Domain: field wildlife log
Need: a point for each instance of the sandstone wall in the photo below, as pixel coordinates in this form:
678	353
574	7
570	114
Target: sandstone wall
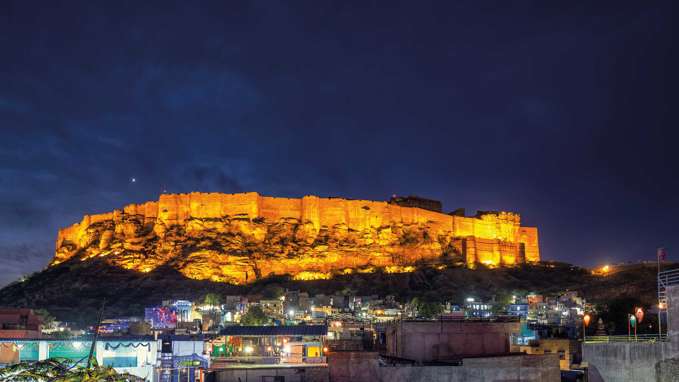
492	238
528	236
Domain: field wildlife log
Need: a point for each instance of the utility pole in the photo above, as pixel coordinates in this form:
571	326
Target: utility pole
660	304
96	334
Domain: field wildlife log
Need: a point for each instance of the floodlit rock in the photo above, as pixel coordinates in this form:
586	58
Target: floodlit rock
238	238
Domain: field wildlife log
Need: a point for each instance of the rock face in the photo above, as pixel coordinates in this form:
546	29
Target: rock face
238	238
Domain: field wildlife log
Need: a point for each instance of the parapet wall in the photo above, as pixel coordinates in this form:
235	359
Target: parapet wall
365	367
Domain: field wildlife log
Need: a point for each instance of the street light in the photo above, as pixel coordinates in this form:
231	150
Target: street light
585	321
632	322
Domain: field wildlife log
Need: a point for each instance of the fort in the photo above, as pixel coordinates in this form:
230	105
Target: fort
241	237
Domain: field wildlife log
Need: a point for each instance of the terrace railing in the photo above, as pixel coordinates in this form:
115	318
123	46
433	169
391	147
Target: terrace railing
665	279
626	338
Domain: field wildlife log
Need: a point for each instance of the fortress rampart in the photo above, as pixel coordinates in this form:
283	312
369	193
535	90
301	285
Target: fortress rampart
492	238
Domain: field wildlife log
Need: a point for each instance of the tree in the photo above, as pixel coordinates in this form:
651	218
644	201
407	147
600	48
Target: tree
426	309
212	300
273	291
62	335
617	311
46	318
60	370
254	316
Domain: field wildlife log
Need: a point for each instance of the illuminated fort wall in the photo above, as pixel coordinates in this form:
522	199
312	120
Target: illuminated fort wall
492	238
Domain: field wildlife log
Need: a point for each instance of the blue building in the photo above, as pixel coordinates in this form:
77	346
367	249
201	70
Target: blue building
520	310
137	355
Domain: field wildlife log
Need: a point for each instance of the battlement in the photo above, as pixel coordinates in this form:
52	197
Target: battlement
493	238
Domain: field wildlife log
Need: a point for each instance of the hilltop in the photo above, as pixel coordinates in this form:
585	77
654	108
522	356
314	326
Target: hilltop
241	238
187	245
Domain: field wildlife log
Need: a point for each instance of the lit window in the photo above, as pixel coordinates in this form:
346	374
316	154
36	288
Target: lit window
120	361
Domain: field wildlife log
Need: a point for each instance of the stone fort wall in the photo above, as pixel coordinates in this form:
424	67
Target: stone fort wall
492	238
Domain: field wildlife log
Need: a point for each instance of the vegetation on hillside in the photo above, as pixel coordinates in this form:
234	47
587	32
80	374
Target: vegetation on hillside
74	290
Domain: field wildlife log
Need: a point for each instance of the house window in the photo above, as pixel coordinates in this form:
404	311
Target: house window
120	361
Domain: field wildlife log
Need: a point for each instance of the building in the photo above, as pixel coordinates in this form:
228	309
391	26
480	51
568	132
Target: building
19	323
492	238
183	308
272	307
426	341
520	310
478	309
137	355
417	202
567	350
370	367
269	344
653	359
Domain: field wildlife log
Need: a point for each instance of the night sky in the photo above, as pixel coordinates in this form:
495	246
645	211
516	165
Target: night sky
563	112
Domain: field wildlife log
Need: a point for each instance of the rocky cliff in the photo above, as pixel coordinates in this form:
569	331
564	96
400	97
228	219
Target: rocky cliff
238	238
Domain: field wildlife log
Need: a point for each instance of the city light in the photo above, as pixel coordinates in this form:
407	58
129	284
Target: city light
639	314
248	349
470	299
77	344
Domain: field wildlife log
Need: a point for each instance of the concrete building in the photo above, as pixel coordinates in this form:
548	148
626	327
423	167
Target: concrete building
272	307
139	355
567	350
268	344
19	323
425	341
366	367
638	361
273	373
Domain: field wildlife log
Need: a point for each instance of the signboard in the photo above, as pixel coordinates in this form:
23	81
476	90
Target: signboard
161	317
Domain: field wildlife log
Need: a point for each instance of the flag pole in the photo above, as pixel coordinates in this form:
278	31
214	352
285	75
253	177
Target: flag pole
657	257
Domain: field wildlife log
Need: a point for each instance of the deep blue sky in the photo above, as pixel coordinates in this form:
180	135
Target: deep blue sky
563	111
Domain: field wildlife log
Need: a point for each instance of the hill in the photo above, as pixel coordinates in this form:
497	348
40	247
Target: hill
74	290
241	238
